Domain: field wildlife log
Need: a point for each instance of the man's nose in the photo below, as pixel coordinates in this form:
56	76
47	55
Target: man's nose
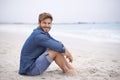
47	25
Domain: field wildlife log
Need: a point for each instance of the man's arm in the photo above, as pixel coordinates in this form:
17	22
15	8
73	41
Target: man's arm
68	56
45	41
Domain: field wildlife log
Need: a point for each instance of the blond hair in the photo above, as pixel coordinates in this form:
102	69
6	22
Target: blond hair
44	16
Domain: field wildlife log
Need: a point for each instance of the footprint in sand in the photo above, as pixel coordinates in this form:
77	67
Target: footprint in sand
112	73
115	61
92	70
3	51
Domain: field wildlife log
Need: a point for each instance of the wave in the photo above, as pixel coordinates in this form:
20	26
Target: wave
95	37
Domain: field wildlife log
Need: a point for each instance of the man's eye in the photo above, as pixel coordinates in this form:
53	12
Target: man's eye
44	22
49	23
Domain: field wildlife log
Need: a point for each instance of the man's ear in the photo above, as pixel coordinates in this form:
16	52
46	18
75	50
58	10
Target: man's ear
38	23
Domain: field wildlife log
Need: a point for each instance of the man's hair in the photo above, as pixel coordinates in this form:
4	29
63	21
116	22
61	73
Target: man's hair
44	16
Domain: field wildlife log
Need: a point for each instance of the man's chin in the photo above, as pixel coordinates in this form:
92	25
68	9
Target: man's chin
46	31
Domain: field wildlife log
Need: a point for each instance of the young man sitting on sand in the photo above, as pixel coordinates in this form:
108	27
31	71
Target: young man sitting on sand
40	49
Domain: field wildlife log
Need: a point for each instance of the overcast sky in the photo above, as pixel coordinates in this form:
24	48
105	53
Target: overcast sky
62	10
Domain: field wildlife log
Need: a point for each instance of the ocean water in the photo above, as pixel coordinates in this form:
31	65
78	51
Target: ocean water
90	32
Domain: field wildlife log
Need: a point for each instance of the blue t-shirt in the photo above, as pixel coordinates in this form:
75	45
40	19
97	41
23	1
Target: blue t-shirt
36	44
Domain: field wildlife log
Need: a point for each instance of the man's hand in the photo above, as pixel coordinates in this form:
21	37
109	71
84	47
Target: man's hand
68	56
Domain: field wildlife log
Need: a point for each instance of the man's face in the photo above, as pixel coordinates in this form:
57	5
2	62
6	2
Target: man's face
45	25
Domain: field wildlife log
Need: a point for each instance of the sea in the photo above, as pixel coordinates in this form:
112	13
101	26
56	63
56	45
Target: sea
92	32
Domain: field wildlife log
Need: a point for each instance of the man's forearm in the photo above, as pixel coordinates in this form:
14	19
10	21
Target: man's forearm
68	55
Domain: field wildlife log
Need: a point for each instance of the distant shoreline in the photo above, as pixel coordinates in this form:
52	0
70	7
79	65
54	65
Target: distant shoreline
64	23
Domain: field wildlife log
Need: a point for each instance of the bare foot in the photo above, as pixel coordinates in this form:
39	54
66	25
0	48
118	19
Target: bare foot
71	72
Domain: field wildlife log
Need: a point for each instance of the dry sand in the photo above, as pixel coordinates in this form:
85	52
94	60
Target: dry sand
92	60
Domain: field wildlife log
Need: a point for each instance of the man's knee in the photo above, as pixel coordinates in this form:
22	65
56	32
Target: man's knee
53	53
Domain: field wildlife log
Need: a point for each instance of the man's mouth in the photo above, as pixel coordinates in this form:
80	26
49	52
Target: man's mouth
46	29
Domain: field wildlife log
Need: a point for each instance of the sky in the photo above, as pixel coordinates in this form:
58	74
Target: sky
70	11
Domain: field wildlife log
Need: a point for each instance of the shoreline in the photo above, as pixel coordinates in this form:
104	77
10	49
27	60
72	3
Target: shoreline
57	23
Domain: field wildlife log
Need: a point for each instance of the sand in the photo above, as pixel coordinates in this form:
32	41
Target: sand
92	60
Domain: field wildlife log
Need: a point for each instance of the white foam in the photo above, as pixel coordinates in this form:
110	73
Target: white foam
96	37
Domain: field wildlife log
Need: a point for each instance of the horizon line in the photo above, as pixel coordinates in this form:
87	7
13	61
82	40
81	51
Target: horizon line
62	23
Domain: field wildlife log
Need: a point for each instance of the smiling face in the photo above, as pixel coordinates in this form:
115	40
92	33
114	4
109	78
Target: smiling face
45	25
45	21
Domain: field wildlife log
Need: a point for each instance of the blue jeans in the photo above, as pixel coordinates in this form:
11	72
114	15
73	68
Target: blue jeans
41	64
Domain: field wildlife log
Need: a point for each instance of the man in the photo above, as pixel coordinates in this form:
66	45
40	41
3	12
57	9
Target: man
40	49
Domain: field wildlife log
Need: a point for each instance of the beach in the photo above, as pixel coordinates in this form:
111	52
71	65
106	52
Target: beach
93	59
